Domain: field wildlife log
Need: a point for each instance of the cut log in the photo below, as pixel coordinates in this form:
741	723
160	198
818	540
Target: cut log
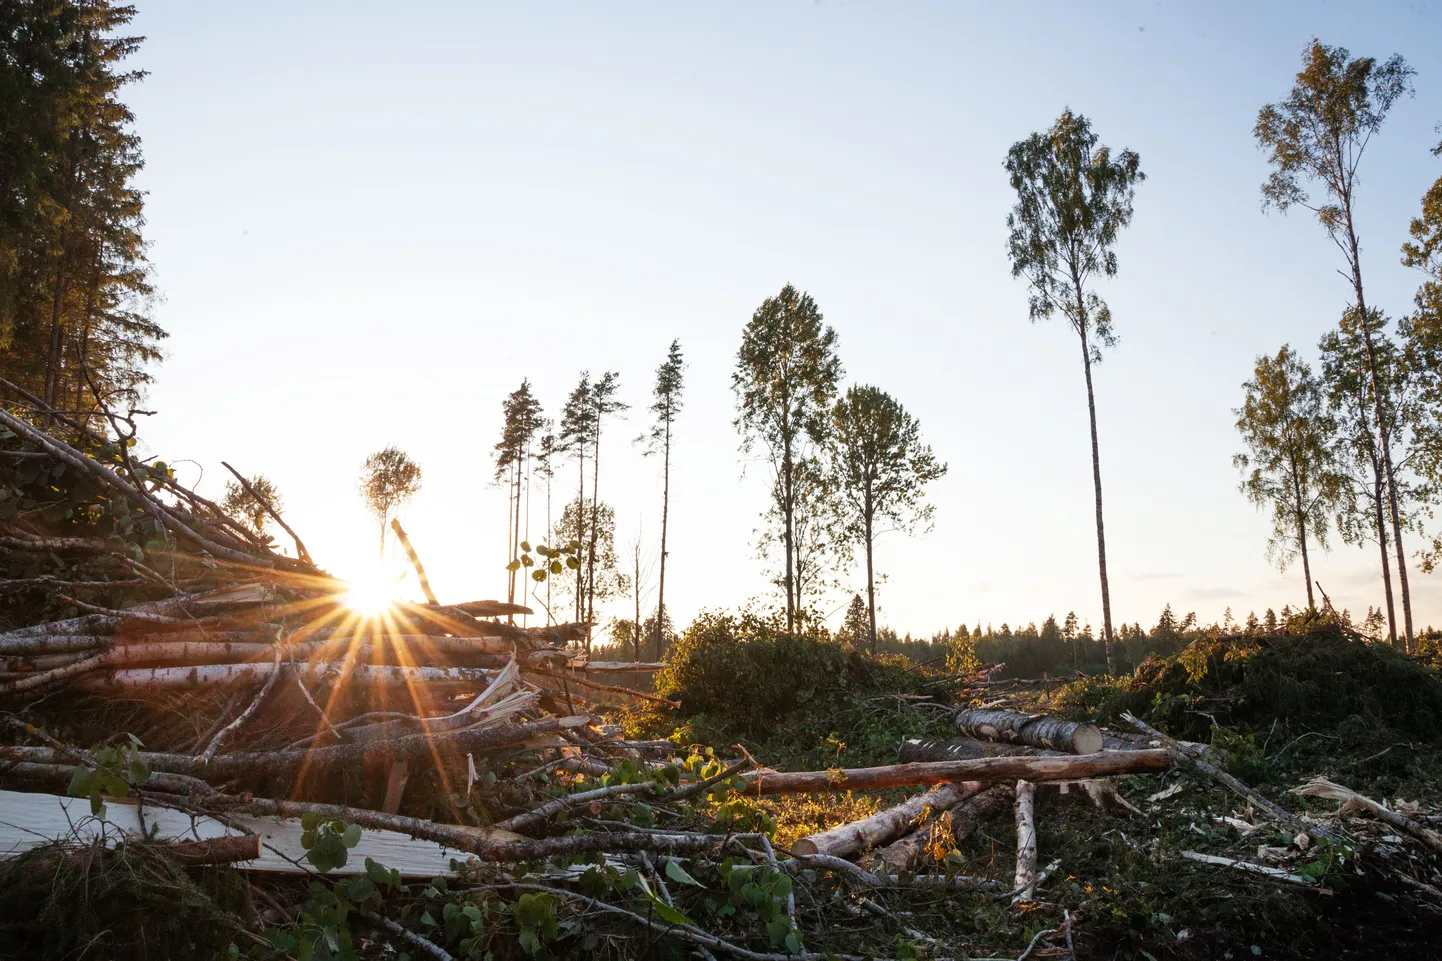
902	856
988	769
139	680
845	840
1037	730
965	749
241	763
492	608
1352	801
618	667
1025	885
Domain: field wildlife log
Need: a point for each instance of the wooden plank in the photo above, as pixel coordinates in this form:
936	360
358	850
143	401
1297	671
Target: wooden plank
30	820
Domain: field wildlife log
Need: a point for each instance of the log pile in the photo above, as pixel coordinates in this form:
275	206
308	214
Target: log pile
264	706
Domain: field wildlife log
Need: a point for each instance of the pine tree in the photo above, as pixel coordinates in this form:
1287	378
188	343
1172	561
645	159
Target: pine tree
856	626
881	467
578	425
603	403
521	414
666	403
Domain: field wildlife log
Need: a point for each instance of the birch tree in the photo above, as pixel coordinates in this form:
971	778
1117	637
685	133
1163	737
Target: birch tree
1288	467
1315	140
389	479
1073	198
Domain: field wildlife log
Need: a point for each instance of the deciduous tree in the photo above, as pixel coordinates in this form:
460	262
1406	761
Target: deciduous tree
241	503
1421	339
389	479
785	382
1073	198
1315	140
1288	466
881	468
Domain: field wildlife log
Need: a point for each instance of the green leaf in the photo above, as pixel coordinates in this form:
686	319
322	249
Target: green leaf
556	567
666	912
310	820
675	872
525	545
352	834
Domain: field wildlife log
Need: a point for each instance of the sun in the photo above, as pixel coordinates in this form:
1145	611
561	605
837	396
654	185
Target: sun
373	593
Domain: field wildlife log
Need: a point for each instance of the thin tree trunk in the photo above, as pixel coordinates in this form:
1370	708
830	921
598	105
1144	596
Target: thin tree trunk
1382	432
581	537
665	516
1302	533
870	575
787	517
1097	480
636	589
595	525
52	356
1381	522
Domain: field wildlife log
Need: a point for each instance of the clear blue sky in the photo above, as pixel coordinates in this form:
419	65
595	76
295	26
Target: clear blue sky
369	225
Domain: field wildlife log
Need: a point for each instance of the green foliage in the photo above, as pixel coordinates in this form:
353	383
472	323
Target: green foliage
748	669
117	769
1290	465
327	840
785	382
389	478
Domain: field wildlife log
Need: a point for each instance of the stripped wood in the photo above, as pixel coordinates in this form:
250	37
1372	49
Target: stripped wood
31	820
884	826
1066	767
902	856
1026	879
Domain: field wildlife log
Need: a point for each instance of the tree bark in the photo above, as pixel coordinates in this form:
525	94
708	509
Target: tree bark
1355	252
1377	484
1107	639
1025	843
966	749
788	516
870	574
901	857
137	680
1075	737
990	769
1301	516
885	826
665	517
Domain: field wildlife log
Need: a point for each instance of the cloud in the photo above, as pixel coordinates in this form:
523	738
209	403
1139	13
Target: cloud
1157	576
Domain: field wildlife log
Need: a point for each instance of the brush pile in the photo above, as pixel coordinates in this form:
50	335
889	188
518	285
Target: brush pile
204	742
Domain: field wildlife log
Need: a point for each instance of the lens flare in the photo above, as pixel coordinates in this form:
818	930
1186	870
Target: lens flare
373	593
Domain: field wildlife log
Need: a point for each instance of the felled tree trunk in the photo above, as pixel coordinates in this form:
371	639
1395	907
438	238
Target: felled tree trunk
1025	843
965	749
903	855
987	769
1074	737
844	840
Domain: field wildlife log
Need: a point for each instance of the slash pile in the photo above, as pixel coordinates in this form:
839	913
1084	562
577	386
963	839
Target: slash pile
266	767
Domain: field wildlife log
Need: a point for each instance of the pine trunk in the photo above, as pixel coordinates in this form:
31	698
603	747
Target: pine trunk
883	827
1075	737
665	516
988	769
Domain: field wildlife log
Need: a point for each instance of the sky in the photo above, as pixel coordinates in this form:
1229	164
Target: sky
368	227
